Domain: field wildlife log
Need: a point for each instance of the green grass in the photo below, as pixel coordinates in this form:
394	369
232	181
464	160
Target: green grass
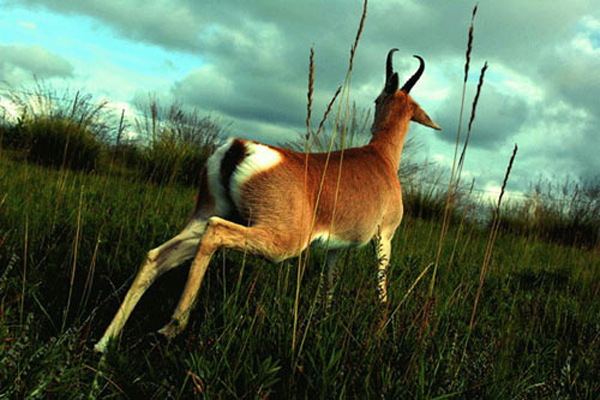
70	243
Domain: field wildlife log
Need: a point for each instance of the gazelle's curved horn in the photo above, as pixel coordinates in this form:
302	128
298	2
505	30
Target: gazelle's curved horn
389	69
413	79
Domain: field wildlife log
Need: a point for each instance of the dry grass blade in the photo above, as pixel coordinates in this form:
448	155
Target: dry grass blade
476	99
470	44
89	280
76	242
199	385
345	90
473	113
98	373
346	114
25	256
309	94
510	165
121	126
446	221
358	34
325	115
408	292
492	238
461	225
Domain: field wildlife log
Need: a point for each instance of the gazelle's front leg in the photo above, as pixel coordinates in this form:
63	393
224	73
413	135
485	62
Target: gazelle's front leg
159	260
383	247
332	276
221	233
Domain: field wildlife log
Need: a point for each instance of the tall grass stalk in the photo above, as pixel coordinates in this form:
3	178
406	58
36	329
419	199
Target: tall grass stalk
74	263
406	295
492	238
24	280
89	280
471	119
68	130
461	225
346	93
487	256
345	89
451	184
327	111
311	82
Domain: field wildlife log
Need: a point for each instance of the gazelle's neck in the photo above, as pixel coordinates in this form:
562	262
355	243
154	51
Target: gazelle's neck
389	137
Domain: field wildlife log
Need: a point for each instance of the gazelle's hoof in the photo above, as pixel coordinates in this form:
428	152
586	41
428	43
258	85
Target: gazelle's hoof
100	347
171	330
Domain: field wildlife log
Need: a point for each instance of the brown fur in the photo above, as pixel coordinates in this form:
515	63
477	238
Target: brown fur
370	196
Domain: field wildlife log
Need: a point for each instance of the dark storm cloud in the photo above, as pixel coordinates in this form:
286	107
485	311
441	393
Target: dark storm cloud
18	63
255	53
565	141
574	76
258	99
499	117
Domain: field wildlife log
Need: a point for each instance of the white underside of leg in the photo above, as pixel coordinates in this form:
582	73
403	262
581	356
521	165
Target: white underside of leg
326	240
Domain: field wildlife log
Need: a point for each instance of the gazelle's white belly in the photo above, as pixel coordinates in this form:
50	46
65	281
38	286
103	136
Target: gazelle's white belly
332	242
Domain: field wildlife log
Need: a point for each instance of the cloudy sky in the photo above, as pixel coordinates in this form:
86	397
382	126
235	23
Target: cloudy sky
246	62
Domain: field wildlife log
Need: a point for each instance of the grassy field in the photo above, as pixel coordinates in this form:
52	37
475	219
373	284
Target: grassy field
70	243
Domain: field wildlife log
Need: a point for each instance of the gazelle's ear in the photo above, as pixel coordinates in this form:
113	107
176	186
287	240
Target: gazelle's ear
422	118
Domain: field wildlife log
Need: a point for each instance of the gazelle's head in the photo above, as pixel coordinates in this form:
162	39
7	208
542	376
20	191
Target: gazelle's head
394	103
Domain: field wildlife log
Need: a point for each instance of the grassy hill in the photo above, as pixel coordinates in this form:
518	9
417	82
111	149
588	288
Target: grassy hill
71	241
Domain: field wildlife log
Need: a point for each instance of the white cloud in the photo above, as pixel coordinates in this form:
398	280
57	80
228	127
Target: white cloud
591	23
9	111
20	63
584	43
28	25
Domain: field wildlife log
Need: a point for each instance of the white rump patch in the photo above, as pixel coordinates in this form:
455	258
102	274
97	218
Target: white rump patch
213	173
258	158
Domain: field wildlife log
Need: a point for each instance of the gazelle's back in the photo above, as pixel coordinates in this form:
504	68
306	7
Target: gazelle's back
369	191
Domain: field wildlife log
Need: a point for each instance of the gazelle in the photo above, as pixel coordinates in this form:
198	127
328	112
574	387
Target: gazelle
253	197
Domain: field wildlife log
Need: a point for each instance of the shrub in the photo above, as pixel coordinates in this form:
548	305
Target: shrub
128	154
169	160
57	142
178	142
425	194
57	128
567	213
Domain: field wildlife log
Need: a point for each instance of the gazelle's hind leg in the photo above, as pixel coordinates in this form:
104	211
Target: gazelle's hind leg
159	260
223	233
